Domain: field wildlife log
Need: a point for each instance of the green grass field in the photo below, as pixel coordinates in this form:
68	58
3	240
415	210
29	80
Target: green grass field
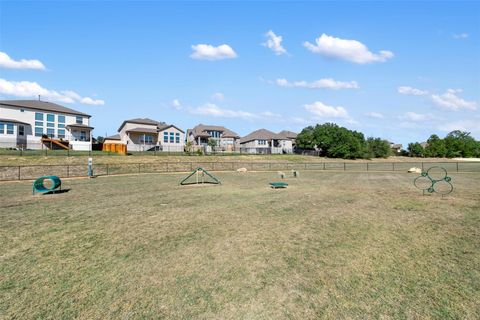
335	245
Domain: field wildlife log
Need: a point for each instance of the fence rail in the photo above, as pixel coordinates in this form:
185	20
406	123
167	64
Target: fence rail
30	172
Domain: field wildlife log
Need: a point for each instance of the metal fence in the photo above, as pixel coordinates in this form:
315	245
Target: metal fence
31	172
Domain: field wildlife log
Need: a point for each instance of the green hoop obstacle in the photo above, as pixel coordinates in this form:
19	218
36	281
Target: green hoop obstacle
39	185
432	181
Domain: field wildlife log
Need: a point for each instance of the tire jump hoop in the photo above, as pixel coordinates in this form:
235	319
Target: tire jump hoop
39	184
435	179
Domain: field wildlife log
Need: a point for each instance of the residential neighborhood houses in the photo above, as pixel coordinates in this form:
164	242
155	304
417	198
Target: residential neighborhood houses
36	124
265	142
225	139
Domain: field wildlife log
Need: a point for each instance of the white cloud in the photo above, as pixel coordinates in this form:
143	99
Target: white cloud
208	52
450	101
460	36
176	104
211	109
9	63
27	89
463	125
322	110
218	96
416	117
411	91
375	115
328	83
274	43
349	50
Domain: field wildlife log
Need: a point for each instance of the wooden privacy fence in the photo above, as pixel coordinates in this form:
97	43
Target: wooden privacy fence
31	172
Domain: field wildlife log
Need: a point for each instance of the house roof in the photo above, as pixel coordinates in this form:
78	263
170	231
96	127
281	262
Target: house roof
288	134
114	137
14	121
165	127
262	134
74	125
160	125
143	130
41	105
201	131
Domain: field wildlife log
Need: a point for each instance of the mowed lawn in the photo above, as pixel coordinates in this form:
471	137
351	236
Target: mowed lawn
332	245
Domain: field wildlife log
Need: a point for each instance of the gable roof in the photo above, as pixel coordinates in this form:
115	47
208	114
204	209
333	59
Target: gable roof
201	131
146	121
41	105
114	137
262	134
287	134
160	125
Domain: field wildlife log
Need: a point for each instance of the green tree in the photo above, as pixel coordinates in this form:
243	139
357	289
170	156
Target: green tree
100	139
378	148
188	146
461	144
305	139
435	147
338	142
212	143
415	150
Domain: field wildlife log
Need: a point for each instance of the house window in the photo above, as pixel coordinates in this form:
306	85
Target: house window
51	133
21	130
61	125
172	135
79	120
146	139
262	142
9	128
165	137
61	133
2	128
22	110
83	135
39	123
51	117
38	132
50	124
177	137
39	116
61	119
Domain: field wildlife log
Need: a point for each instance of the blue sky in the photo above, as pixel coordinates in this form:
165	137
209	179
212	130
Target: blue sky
396	70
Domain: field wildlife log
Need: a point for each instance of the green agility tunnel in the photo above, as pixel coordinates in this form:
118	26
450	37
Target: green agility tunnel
39	184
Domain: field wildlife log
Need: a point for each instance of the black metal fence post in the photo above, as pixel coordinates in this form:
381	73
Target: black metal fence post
107	169
68	171
457	166
19	168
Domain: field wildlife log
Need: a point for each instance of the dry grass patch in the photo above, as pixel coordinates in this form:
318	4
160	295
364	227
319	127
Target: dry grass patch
332	245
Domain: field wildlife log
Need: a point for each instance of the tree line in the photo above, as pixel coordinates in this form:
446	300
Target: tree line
334	141
456	144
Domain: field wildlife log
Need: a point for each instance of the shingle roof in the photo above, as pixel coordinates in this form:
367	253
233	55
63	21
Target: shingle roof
41	105
262	134
288	134
146	121
142	130
201	131
114	137
79	126
14	121
160	125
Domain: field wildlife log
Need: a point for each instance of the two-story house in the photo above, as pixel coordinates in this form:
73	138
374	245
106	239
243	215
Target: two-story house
143	134
226	140
265	142
35	124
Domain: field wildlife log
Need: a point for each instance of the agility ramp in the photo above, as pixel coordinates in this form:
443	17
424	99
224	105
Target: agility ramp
200	176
